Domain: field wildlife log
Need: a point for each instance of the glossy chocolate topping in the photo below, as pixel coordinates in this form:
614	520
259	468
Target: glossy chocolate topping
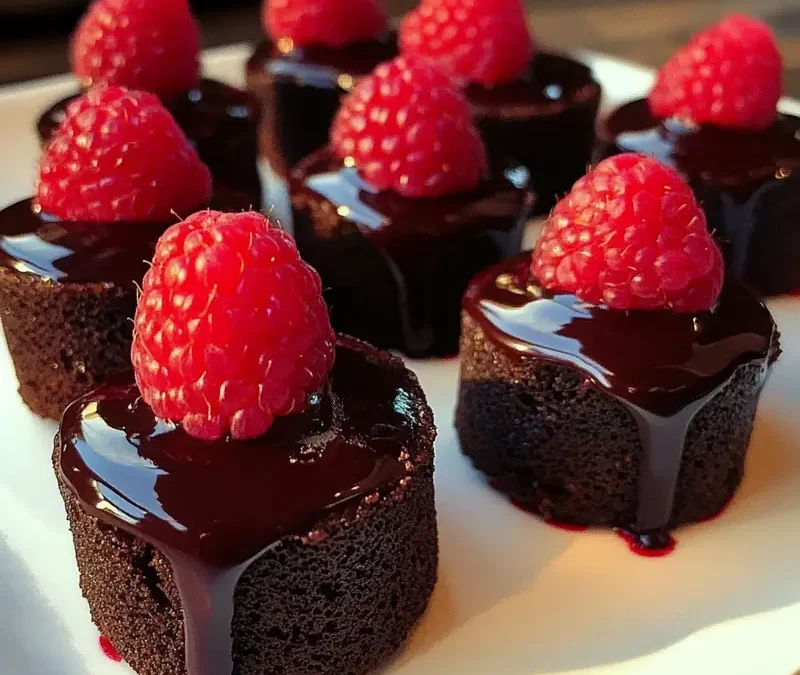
737	161
421	253
84	252
212	507
662	366
551	83
319	65
222	123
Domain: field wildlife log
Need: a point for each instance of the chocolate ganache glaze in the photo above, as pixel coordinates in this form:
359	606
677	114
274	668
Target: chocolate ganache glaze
394	267
748	183
44	246
545	119
662	366
300	89
222	123
213	507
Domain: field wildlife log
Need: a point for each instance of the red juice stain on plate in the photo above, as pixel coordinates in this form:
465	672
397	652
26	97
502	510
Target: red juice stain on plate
648	546
108	649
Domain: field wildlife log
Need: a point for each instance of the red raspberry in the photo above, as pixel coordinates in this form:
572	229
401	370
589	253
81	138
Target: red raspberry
334	23
729	75
632	236
231	328
151	45
484	41
407	127
120	156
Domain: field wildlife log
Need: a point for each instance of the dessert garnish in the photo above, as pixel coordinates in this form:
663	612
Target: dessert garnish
408	128
729	75
120	156
631	235
484	41
231	329
332	23
152	45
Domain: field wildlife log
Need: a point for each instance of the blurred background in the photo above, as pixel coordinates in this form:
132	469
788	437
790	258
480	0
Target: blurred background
34	33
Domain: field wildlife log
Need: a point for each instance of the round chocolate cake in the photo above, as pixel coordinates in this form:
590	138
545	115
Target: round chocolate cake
311	549
67	297
395	268
747	181
300	89
545	119
221	122
588	415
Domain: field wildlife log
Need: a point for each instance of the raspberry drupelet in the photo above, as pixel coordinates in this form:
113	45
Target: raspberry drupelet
611	379
402	209
531	105
713	115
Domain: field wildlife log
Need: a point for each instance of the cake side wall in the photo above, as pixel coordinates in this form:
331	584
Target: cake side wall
564	448
64	339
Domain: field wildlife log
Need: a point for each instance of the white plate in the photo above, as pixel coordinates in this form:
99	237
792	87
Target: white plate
515	597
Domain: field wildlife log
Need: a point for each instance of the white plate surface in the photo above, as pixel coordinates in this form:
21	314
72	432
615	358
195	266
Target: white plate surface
515	597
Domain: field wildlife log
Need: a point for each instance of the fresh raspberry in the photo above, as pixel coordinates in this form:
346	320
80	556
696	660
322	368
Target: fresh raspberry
485	41
632	236
231	329
120	156
729	75
151	45
334	23
407	127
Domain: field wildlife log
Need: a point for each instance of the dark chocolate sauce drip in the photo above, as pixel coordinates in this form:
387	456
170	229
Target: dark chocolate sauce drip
424	251
550	83
85	252
733	172
662	366
222	123
213	507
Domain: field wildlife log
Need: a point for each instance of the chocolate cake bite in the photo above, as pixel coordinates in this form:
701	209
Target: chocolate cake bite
131	44
628	416
743	171
396	247
534	106
282	521
68	282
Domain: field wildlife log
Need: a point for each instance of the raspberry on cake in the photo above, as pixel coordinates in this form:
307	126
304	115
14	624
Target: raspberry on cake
712	114
315	51
534	106
154	46
611	379
401	210
110	182
248	503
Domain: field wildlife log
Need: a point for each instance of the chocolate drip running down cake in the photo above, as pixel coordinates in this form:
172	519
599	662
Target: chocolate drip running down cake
311	549
395	267
589	415
221	122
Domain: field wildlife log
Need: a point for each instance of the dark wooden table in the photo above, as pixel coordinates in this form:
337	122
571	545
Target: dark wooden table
641	30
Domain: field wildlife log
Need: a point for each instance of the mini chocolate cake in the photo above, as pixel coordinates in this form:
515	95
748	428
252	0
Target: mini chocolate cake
220	121
395	268
545	119
747	181
300	89
588	415
67	296
312	549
